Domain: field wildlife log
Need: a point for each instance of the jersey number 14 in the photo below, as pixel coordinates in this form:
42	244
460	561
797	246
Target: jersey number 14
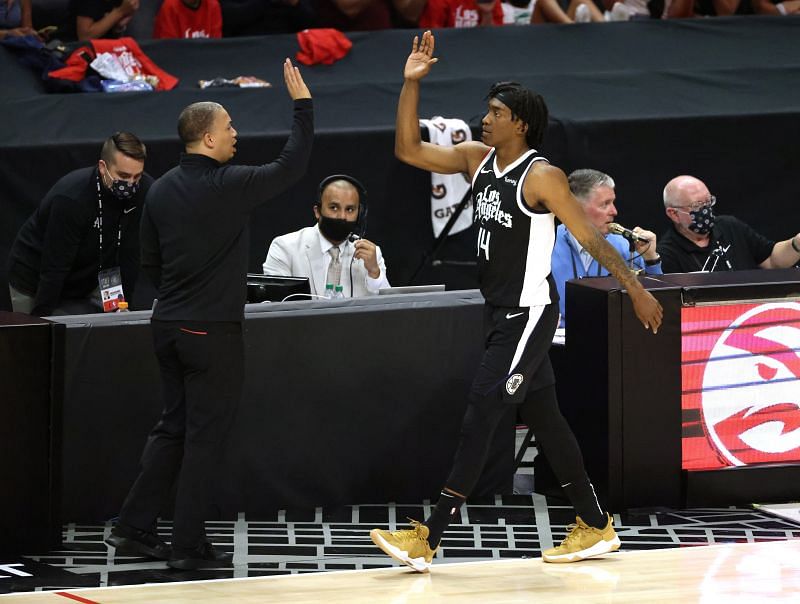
483	242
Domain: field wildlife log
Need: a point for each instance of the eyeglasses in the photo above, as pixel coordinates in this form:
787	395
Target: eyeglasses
698	205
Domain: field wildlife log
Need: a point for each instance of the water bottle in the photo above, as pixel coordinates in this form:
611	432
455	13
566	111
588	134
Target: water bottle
338	293
329	291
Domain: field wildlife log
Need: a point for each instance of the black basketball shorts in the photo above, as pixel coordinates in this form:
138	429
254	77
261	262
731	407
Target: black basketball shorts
516	359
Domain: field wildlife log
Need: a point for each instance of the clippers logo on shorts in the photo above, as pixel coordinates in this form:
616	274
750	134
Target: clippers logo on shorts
513	383
487	207
750	385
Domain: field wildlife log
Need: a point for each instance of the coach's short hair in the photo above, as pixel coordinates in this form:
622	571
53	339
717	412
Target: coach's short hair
196	119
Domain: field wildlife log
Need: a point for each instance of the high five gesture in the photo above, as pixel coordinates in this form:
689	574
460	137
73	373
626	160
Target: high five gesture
421	58
294	81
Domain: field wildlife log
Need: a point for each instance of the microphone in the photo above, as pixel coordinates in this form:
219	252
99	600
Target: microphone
357	232
618	229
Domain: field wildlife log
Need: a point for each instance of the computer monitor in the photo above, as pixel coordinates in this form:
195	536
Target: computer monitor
272	288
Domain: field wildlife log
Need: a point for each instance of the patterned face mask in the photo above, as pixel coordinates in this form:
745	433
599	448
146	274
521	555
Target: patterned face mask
702	220
124	190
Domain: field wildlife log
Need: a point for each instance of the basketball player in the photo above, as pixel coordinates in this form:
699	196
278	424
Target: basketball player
516	194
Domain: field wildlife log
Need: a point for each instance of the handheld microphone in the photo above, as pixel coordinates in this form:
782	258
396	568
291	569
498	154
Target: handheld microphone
618	229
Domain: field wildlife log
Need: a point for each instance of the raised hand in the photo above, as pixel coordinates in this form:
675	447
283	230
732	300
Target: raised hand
294	82
368	252
421	58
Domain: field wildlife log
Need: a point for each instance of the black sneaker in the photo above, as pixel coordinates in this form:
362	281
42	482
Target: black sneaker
129	540
204	556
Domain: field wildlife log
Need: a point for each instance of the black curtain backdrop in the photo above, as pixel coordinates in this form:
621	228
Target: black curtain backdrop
717	98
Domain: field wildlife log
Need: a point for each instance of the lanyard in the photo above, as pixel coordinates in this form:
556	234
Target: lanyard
99	222
718	253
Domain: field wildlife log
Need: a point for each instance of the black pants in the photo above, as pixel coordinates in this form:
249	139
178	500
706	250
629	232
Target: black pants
202	371
540	412
516	370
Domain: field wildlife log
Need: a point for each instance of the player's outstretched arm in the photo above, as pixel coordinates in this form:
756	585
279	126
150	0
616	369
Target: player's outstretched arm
294	81
408	145
547	185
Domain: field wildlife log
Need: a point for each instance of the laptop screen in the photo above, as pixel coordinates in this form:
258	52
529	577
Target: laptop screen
272	288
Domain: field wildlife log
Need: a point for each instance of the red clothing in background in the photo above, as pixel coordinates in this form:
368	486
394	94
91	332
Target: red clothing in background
456	13
176	20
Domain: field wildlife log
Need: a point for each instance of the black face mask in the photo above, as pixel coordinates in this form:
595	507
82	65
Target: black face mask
336	229
702	220
124	190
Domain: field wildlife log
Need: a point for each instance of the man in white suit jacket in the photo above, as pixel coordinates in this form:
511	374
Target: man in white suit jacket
307	252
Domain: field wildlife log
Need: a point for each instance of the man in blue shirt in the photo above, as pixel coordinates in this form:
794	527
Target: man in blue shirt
595	191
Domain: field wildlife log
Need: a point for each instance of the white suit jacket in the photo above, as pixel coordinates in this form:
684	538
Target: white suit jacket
299	254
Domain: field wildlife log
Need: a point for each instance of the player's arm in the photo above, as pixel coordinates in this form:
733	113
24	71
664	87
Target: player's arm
408	145
547	186
89	29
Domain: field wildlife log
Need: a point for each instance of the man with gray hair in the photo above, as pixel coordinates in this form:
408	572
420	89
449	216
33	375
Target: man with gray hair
595	191
699	240
194	248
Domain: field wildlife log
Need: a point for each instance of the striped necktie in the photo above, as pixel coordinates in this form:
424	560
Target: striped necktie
335	267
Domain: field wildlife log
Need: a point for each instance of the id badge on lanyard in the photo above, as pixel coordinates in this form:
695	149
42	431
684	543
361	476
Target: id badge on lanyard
110	282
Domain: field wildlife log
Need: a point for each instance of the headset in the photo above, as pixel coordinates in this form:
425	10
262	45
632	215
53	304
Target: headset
363	209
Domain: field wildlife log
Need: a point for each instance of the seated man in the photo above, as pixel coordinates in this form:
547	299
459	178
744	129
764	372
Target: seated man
595	191
367	15
324	253
701	241
259	17
102	18
87	223
188	19
15	18
461	13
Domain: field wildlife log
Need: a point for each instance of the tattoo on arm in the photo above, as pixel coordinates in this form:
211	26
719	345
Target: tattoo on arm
606	255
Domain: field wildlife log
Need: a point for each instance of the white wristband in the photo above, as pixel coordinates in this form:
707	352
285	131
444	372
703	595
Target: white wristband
781	8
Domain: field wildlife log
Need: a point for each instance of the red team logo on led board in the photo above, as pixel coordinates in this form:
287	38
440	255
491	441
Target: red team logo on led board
740	371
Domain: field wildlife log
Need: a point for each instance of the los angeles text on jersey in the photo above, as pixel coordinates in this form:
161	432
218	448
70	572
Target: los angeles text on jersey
487	207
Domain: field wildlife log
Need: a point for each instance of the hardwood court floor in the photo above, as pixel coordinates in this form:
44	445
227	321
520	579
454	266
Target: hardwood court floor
729	574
